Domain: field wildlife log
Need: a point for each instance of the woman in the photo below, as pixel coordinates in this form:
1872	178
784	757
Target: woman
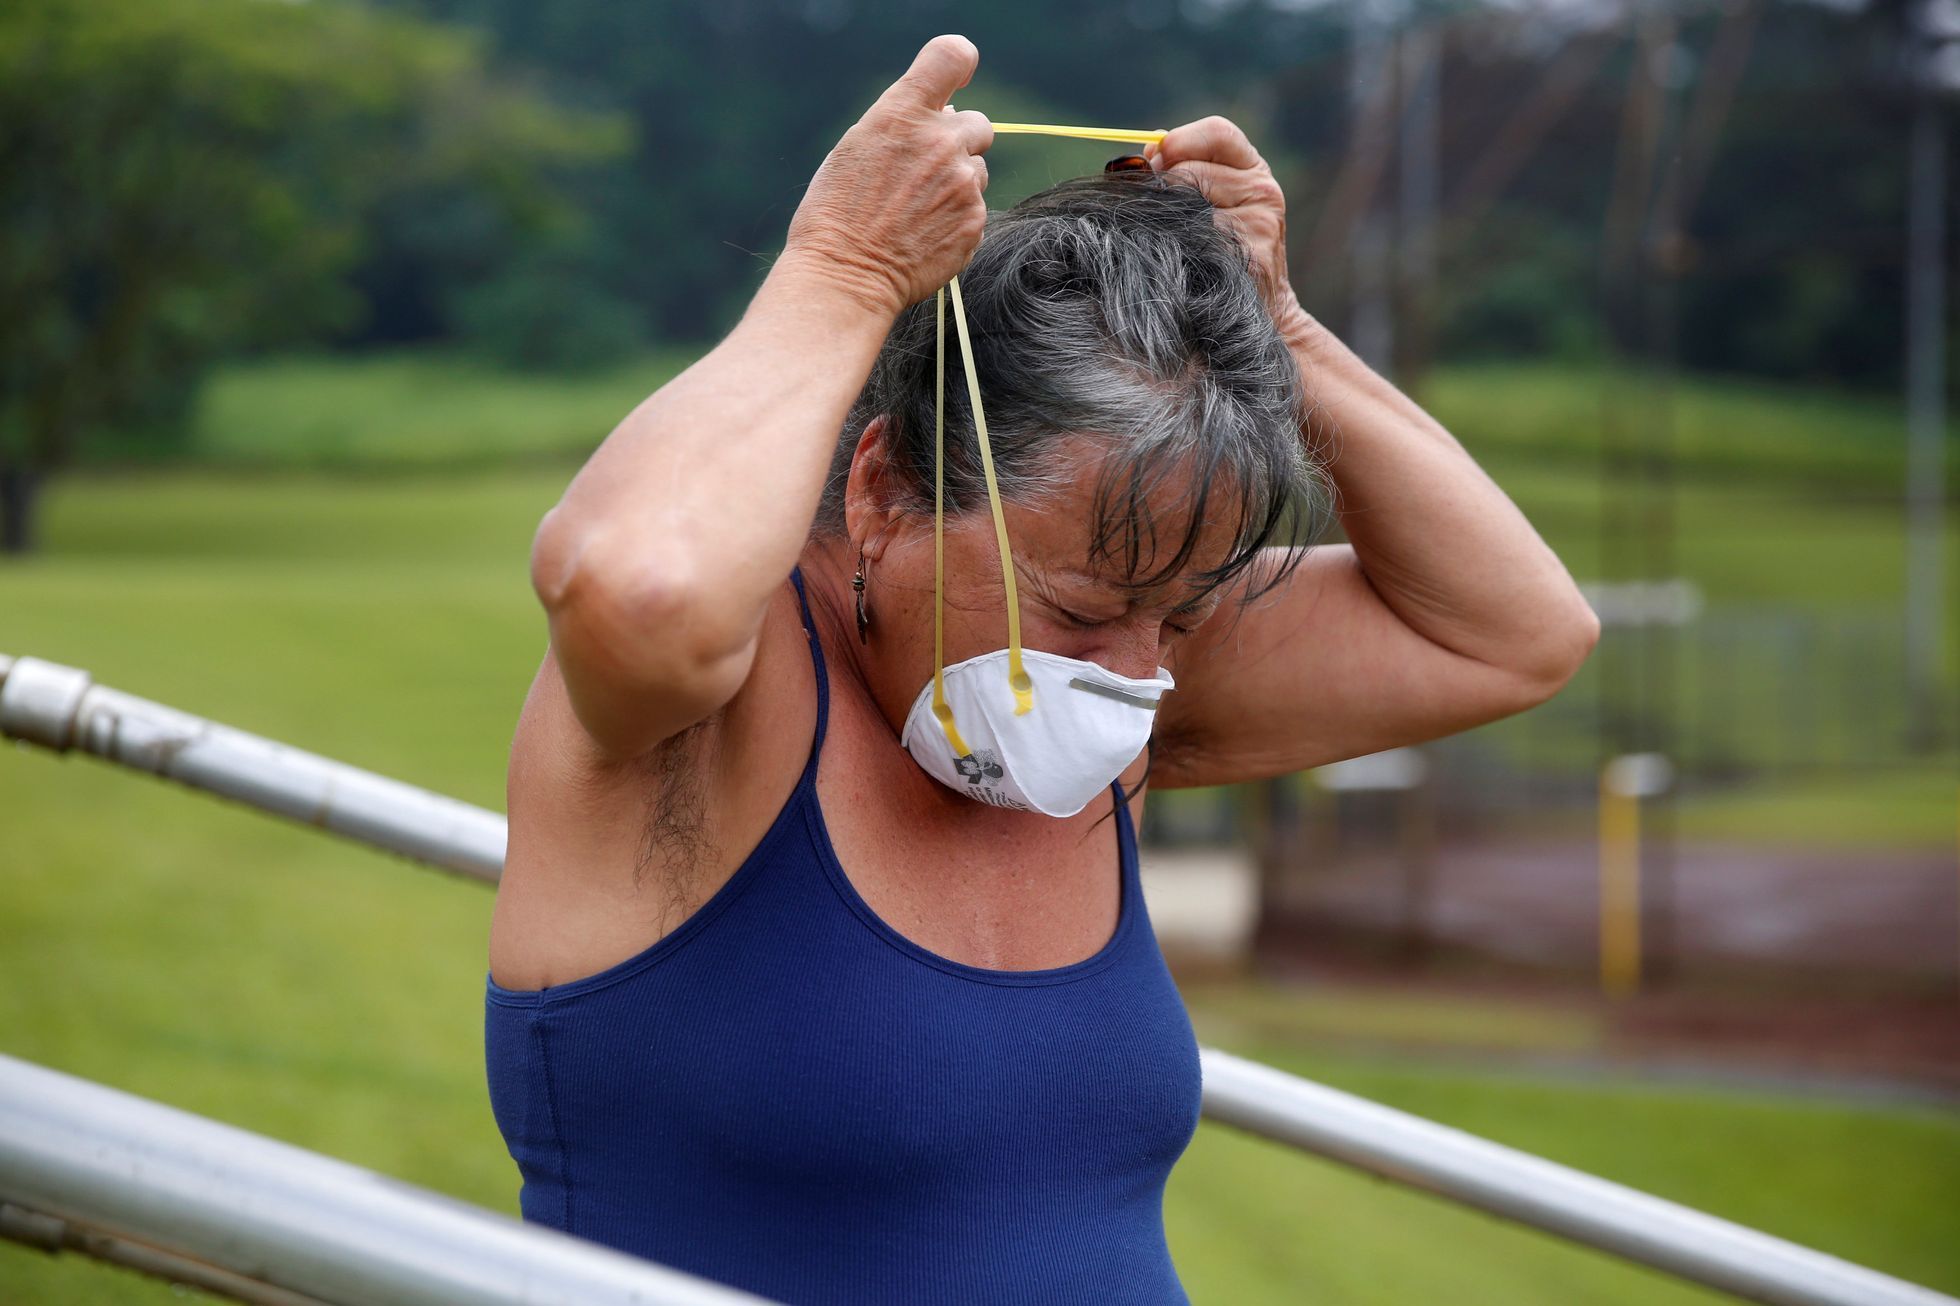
772	998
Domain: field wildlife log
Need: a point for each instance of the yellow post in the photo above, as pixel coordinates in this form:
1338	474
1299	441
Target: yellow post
1619	883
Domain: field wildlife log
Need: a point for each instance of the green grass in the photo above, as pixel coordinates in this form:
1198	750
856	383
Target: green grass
1776	492
437	407
217	960
1914	808
407	409
1430	1021
1251	1221
1785	495
1847	811
1747	436
195	952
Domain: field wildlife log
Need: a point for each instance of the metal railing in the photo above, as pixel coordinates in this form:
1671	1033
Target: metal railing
1533	1191
176	1195
58	707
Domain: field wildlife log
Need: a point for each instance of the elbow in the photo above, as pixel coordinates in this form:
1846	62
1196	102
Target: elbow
555	550
630	612
1562	647
585	567
1585	633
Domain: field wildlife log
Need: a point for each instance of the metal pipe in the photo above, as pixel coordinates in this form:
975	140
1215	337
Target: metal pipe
177	1189
55	703
61	708
1584	1208
46	1233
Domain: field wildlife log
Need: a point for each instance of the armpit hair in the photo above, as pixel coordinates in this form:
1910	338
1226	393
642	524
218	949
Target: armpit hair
675	830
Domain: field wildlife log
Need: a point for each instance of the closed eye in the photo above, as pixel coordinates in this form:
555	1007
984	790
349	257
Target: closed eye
1090	623
1193	619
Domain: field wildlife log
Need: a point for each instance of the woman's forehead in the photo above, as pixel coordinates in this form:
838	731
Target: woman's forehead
1107	523
1077	574
1118	538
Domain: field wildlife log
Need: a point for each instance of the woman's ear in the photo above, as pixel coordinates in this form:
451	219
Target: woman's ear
871	494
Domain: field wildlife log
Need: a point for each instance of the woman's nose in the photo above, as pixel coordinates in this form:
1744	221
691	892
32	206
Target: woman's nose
1130	650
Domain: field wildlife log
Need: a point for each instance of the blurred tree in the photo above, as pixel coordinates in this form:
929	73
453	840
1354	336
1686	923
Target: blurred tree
737	102
1787	259
546	312
1533	297
324	168
181	177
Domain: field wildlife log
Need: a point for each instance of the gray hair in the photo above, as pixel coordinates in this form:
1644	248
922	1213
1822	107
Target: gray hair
1112	306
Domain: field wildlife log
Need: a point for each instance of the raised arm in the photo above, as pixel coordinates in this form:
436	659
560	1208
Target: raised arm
1445	611
657	565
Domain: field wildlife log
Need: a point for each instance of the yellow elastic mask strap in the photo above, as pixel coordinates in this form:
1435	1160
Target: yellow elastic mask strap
1080	133
1017	677
940	707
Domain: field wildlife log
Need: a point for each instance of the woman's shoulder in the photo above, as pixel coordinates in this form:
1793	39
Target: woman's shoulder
616	853
551	751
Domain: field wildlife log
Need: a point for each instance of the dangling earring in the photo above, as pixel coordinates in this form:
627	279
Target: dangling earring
857	587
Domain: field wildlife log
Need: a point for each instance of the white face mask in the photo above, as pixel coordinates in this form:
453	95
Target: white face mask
1017	727
1089	725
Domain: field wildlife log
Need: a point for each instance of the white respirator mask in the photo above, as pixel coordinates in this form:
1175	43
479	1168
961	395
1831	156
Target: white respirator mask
1017	727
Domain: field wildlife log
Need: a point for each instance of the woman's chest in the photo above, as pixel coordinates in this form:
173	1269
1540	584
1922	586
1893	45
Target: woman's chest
975	884
805	1047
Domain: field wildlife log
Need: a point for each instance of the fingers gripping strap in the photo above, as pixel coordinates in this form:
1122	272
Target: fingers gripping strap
940	708
1017	678
1081	133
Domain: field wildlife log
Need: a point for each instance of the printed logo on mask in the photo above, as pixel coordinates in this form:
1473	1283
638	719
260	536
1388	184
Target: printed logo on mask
982	771
979	766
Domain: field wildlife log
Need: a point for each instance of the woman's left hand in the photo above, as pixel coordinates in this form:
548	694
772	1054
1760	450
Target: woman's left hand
1218	156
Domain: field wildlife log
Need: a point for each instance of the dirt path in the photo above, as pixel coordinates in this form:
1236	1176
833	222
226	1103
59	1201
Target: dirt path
1868	919
1783	961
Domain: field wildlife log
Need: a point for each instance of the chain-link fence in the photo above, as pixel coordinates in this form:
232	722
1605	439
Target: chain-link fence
1491	848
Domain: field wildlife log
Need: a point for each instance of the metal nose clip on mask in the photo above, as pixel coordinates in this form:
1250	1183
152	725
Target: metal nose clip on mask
1019	728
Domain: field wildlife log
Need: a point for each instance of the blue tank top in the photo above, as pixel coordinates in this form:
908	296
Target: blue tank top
787	1095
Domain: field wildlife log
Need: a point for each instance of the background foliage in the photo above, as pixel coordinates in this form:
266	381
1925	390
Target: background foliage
182	179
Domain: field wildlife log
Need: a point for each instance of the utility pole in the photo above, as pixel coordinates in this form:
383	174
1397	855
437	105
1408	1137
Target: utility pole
1637	681
1371	328
1925	266
1419	54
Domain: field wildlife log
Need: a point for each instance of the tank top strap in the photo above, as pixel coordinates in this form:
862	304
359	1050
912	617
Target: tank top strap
1126	840
823	677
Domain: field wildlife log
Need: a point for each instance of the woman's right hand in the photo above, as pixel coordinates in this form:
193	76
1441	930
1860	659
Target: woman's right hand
897	207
